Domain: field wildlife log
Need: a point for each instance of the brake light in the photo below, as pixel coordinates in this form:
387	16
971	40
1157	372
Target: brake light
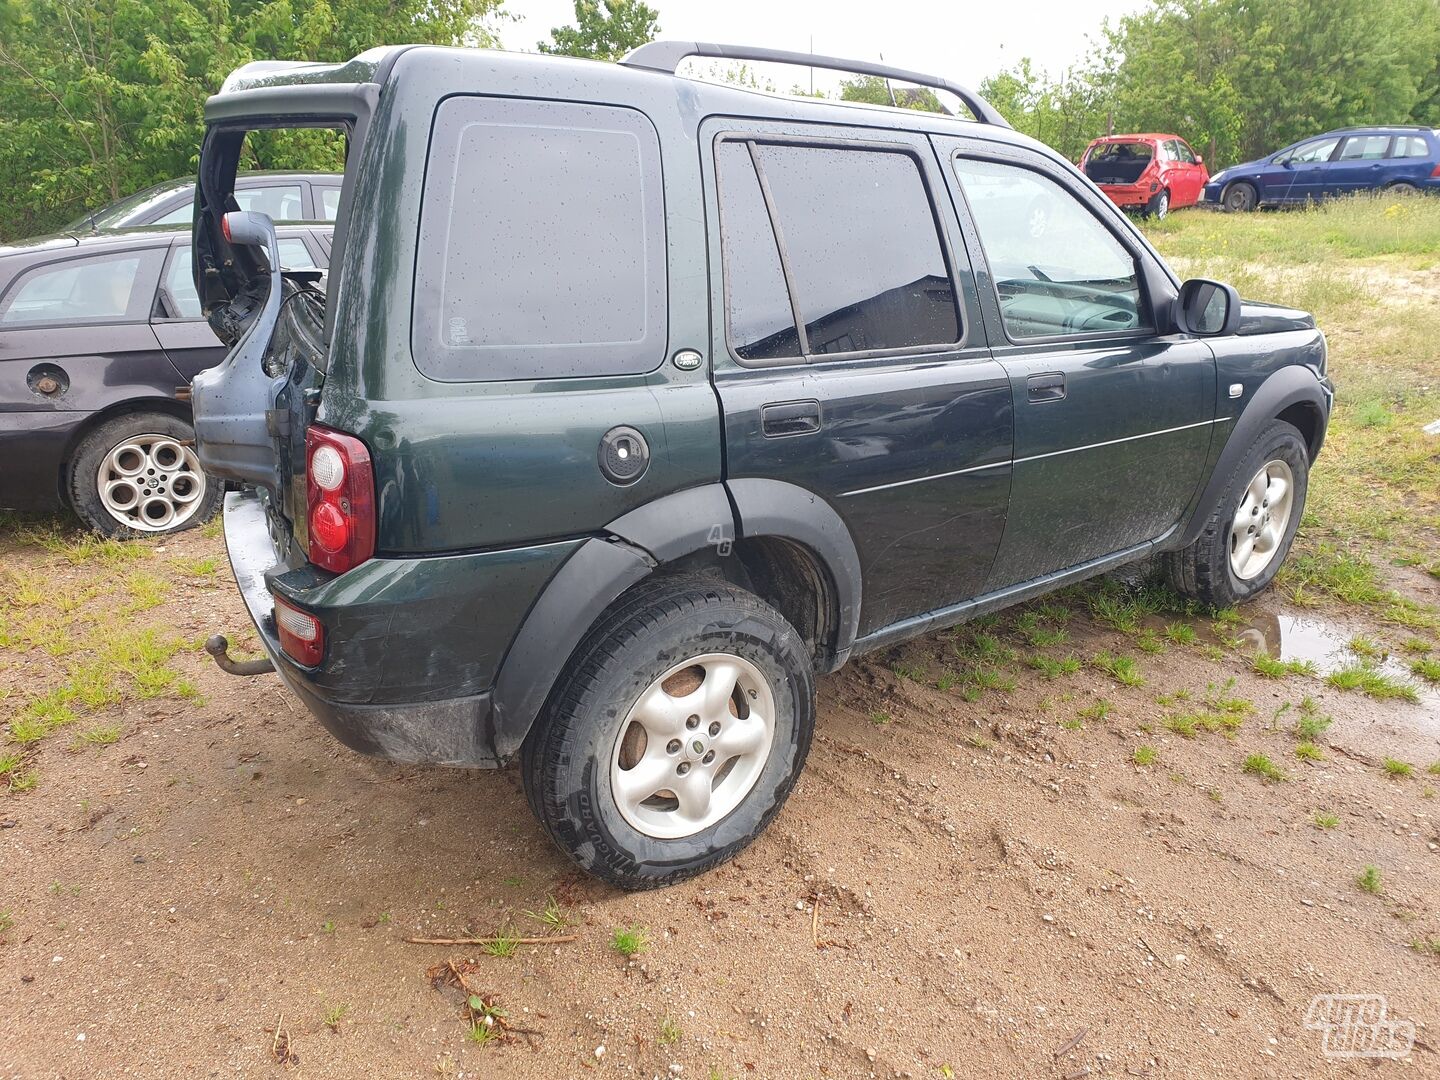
340	499
301	635
1435	173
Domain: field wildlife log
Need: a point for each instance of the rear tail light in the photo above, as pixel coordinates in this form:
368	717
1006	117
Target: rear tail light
301	635
340	499
1435	173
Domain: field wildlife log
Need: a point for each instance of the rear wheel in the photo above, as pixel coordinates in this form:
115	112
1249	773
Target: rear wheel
1403	188
1247	538
137	475
1159	205
1239	197
674	735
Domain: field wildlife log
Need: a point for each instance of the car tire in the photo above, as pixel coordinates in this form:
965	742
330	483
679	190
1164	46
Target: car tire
1403	188
1245	541
1239	197
138	475
1159	205
612	730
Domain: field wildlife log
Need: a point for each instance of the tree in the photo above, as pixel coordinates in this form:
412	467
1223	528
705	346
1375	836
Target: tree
878	91
100	98
604	35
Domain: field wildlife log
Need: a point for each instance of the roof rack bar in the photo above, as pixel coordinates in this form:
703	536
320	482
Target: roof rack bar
666	56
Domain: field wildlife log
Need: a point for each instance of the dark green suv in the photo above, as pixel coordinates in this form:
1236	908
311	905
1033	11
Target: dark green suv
632	403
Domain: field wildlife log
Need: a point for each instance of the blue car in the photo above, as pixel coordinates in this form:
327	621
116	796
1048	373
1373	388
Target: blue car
1400	159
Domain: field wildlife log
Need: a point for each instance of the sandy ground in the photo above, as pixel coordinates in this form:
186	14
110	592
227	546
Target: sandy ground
956	888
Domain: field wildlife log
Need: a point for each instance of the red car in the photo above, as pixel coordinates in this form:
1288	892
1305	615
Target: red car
1153	174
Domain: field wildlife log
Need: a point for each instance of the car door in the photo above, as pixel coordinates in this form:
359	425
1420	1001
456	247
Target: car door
1359	166
1191	172
1112	419
1308	168
177	320
850	360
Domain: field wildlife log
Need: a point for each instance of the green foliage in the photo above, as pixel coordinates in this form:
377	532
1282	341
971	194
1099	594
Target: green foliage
1144	755
102	98
879	91
629	940
1370	881
604	30
1261	766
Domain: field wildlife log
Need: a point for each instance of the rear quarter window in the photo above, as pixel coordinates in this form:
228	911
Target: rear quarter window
114	287
542	243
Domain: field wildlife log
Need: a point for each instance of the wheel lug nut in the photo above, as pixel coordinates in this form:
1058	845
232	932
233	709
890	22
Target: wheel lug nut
714	727
754	694
673	746
683	768
692	722
708	758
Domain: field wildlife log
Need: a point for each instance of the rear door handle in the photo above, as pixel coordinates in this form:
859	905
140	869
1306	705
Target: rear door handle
790	418
1047	387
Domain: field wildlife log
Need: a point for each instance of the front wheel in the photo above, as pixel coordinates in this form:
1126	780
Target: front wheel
674	735
1240	197
1247	538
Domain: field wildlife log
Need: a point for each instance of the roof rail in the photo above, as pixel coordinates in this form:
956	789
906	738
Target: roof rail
1380	127
666	56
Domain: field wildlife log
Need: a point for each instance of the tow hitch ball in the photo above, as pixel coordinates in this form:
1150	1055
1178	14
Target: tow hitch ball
219	648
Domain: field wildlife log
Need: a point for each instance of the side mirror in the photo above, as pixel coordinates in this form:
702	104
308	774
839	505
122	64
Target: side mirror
1199	160
1207	308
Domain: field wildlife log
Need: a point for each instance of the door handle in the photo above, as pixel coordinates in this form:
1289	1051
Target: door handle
790	418
1047	387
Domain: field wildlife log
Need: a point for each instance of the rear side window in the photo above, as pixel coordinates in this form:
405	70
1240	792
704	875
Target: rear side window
180	295
542	243
101	288
329	200
1364	147
283	202
1410	146
860	243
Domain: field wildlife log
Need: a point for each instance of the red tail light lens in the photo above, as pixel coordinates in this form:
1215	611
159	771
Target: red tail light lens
301	635
340	496
1435	173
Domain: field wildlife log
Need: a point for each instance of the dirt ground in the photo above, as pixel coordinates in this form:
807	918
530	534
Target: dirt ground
964	880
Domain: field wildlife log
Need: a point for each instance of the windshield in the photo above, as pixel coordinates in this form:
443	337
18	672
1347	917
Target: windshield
119	213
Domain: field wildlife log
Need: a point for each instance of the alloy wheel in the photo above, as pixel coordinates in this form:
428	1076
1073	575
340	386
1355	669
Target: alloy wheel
1261	520
693	745
151	483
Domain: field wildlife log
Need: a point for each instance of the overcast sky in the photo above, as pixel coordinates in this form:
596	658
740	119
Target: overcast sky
962	41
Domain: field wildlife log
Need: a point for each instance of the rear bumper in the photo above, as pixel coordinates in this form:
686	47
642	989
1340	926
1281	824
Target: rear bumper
32	446
1128	195
412	645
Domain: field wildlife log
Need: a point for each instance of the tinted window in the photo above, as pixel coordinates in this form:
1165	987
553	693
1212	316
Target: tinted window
1410	146
542	243
183	214
862	248
1319	150
757	305
100	288
1070	276
180	283
1184	153
329	201
1364	147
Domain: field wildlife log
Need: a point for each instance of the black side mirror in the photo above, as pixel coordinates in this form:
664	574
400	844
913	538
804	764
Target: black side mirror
1207	308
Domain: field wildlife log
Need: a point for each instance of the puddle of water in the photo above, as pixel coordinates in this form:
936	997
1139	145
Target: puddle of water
1293	637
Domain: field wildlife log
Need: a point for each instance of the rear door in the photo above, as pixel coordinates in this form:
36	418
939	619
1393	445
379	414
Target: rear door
1359	166
851	361
1112	419
178	321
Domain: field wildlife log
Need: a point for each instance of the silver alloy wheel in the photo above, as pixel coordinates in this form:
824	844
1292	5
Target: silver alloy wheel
692	745
1261	520
1162	205
150	483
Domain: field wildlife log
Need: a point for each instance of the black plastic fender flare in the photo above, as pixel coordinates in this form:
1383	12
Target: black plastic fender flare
1296	385
634	545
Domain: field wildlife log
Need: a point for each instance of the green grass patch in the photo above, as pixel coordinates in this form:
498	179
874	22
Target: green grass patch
1144	756
1097	711
629	940
1122	669
100	735
1271	668
1372	683
1181	633
1427	668
1308	751
1051	668
1261	766
1370	881
1395	767
1325	820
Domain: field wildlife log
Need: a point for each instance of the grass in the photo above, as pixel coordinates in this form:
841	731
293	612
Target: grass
629	940
99	735
334	1015
1427	946
1308	751
146	590
1122	669
552	916
1397	768
946	680
1271	668
503	945
880	719
1427	668
988	678
482	1034
1311	724
202	566
669	1033
1261	766
1096	712
1323	819
1372	683
1148	641
1050	668
1144	755
1370	881
1181	633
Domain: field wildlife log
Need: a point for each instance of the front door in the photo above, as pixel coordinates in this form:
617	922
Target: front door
851	361
1112	421
1359	166
1308	169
